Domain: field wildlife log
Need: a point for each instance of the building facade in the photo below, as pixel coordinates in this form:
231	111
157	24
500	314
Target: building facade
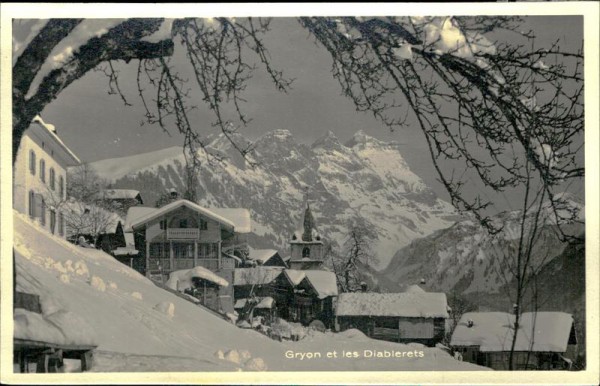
545	341
184	235
399	317
40	176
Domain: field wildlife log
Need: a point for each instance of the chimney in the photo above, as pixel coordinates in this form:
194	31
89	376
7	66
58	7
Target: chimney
515	309
469	323
422	281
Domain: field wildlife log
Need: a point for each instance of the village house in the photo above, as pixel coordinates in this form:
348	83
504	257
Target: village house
546	340
304	293
120	199
299	296
415	316
40	176
183	235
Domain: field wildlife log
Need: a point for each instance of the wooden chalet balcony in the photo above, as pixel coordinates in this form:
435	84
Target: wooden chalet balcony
210	264
183	233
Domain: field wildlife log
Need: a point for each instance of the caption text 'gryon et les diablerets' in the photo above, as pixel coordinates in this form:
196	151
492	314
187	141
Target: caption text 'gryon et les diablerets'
371	354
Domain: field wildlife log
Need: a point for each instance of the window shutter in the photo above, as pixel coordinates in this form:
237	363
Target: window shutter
31	203
32	162
61	224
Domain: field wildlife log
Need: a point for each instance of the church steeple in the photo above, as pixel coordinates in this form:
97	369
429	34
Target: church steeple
306	246
309	224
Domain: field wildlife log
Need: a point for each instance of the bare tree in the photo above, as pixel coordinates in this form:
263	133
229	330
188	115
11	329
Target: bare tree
509	116
357	254
506	115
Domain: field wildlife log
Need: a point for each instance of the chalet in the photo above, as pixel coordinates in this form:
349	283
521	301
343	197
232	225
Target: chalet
262	307
299	296
121	199
402	317
42	342
40	175
183	235
546	340
314	296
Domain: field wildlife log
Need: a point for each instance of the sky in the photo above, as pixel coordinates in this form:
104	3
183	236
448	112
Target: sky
96	125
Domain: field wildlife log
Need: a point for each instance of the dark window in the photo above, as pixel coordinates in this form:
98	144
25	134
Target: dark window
31	203
43	212
306	252
203	225
61	224
43	170
183	223
32	162
52	220
61	187
163	224
52	179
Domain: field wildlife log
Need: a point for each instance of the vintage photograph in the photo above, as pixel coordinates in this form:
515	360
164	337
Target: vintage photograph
310	193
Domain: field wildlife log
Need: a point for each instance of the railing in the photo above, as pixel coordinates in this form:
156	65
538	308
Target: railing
183	263
164	264
183	233
210	264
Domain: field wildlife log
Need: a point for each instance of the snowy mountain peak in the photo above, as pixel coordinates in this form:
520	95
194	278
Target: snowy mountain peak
372	182
278	135
328	141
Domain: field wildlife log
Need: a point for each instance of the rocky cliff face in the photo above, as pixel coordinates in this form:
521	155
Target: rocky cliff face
364	177
465	259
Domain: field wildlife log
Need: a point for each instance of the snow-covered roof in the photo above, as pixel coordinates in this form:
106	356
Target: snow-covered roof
294	276
134	213
124	251
116	194
256	275
415	289
240	217
410	305
492	331
324	282
178	204
182	279
261	255
129	240
61	328
266	302
51	131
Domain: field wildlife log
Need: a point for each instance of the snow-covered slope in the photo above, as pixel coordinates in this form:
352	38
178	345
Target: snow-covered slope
366	177
141	327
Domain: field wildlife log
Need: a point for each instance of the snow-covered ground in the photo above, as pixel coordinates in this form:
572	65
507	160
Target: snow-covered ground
141	327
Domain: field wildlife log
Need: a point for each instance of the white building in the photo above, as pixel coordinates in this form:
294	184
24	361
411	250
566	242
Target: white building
40	175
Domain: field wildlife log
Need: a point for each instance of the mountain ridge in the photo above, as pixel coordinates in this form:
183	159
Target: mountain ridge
368	179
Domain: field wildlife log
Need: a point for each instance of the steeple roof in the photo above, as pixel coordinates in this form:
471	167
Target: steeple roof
309	224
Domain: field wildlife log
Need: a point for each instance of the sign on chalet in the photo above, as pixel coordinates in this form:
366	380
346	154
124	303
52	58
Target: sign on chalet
545	341
402	317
